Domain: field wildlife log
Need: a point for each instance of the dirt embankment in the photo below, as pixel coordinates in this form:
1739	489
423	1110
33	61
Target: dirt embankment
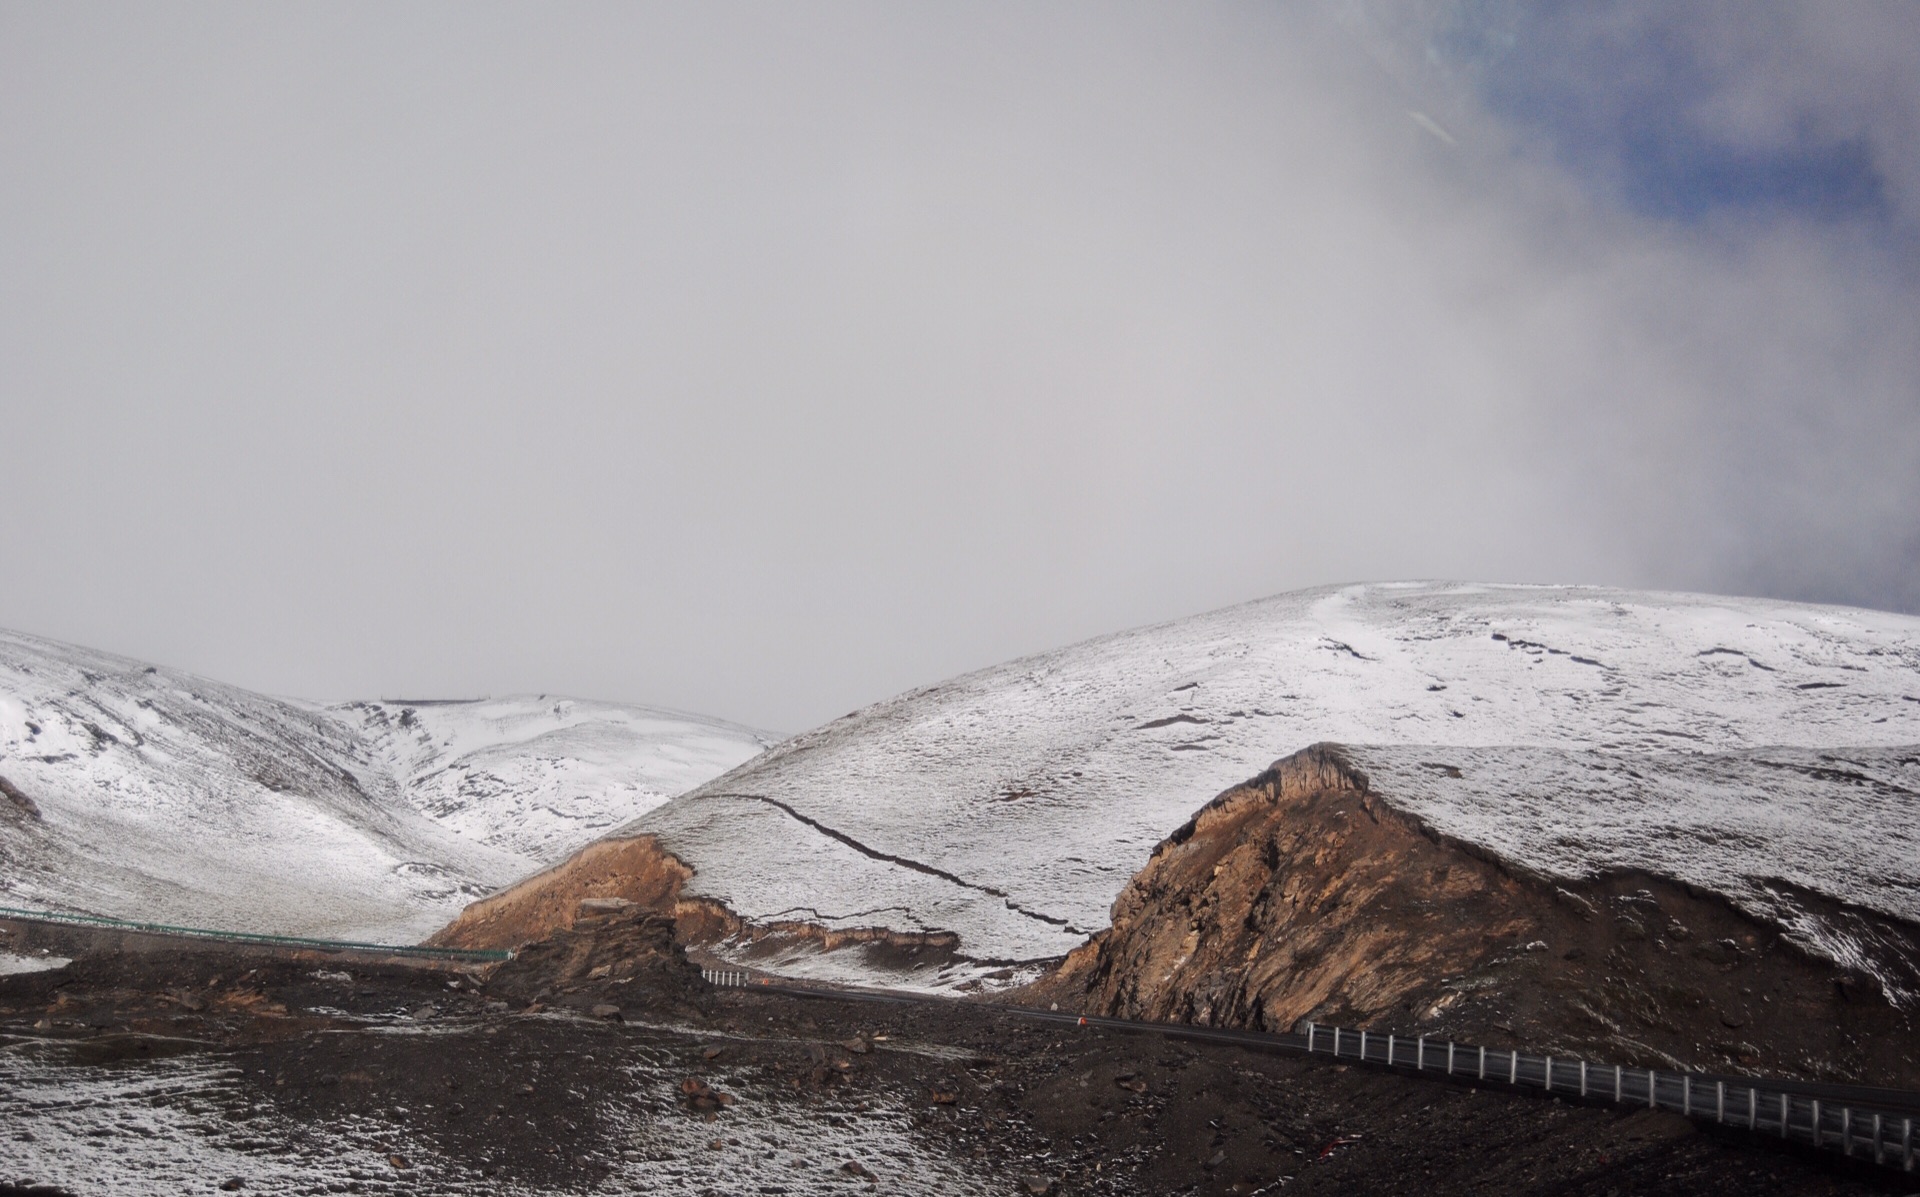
640	871
637	870
1303	894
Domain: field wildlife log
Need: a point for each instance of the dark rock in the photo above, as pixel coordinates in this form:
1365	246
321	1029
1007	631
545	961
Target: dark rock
25	804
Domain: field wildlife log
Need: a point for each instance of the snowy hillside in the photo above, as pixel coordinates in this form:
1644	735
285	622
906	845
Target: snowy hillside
539	776
1676	733
146	793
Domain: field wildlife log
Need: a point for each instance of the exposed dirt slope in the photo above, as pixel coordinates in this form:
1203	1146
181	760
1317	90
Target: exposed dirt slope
1303	894
637	870
640	871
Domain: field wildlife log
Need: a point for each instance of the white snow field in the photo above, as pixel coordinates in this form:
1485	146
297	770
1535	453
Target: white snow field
540	776
1758	749
168	798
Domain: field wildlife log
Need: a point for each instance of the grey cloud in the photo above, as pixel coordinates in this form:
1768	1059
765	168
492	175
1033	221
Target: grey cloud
765	362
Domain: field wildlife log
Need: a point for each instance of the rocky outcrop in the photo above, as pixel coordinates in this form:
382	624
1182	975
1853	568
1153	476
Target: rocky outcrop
637	870
19	800
641	872
614	953
1304	894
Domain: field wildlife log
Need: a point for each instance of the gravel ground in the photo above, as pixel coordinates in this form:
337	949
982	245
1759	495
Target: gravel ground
193	1072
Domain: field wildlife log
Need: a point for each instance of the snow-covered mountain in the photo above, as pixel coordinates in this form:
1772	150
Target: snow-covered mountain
1731	744
141	792
539	776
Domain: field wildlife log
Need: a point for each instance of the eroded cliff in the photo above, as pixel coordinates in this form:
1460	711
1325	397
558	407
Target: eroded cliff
1304	894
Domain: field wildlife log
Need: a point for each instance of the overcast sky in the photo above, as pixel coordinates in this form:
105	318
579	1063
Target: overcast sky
765	360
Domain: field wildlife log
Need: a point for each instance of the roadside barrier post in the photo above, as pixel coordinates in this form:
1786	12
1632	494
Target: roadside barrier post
1549	1071
1815	1124
1719	1101
1513	1068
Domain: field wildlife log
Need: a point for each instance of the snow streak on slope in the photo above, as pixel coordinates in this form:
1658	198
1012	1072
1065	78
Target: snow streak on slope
1011	805
151	794
539	776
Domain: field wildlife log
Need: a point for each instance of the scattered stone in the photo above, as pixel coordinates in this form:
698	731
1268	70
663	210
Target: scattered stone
608	1012
712	1051
232	1184
857	1045
398	1161
944	1097
1038	1186
702	1098
856	1168
600	906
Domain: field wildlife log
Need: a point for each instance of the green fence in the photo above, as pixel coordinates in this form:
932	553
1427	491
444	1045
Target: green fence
475	955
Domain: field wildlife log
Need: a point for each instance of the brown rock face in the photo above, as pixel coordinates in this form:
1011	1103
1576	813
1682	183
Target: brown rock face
637	870
19	799
1304	894
641	872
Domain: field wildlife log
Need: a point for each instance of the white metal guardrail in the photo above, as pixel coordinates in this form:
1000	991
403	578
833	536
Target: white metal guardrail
726	978
1887	1137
